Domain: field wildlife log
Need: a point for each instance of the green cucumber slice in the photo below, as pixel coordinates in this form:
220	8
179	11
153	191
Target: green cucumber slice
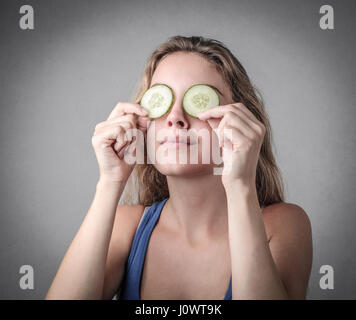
157	100
199	98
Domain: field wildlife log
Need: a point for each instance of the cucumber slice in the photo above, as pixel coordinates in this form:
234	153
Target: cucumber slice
198	98
157	100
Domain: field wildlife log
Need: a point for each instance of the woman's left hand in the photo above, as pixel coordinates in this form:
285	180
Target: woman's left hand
241	148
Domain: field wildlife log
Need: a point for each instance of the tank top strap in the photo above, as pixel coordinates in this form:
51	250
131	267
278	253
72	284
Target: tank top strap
133	268
228	295
143	214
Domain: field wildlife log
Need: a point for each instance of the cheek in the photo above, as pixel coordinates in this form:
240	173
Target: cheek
152	127
204	127
151	135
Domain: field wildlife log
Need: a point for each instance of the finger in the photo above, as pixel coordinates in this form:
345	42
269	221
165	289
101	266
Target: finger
213	123
127	135
125	118
234	120
122	108
247	112
227	142
218	112
119	144
125	124
122	142
128	148
105	138
225	124
107	135
120	148
142	122
215	112
121	152
247	118
216	124
131	149
232	137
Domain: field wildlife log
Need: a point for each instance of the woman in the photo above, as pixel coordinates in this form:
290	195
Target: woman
192	234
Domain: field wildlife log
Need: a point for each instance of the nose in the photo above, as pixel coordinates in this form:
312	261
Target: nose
176	118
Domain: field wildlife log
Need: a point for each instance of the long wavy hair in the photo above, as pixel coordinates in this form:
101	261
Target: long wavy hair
146	184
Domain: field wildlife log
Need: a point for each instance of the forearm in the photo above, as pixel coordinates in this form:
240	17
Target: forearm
254	274
81	273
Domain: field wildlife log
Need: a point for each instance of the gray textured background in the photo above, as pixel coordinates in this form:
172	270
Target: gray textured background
62	78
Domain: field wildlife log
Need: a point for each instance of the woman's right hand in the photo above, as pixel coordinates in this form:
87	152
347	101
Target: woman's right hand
109	141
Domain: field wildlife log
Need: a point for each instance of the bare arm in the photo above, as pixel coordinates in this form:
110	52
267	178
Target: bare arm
262	269
125	226
81	273
83	269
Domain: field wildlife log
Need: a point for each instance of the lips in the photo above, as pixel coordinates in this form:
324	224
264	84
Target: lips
177	139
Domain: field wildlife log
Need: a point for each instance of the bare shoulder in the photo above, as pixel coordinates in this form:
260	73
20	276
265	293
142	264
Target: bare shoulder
289	234
285	217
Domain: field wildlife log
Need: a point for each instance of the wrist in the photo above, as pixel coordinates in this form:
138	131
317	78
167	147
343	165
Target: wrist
240	184
242	193
242	189
107	183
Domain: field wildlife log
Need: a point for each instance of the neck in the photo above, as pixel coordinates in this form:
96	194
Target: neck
197	207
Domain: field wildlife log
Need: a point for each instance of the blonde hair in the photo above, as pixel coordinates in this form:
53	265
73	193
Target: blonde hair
147	183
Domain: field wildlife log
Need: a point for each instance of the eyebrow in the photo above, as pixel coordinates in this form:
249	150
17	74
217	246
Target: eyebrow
210	85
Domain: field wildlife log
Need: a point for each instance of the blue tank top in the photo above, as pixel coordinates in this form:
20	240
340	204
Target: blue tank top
131	282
